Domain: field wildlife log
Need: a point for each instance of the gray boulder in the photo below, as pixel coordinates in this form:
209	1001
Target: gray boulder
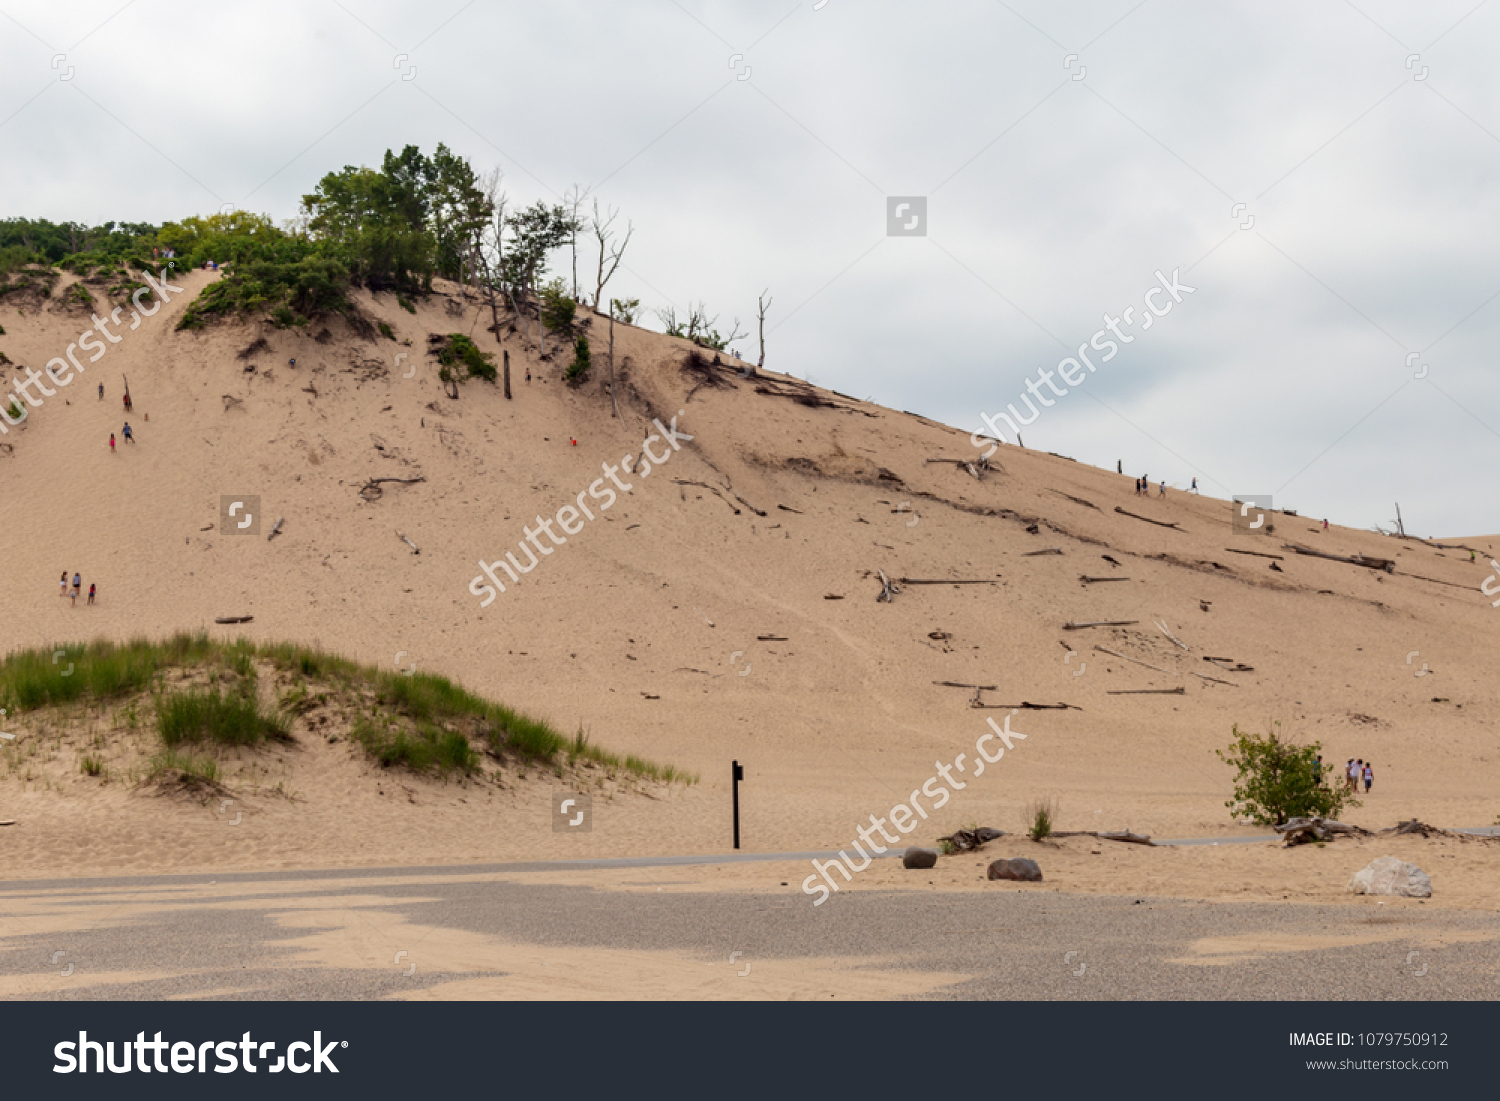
1389	876
1018	868
919	858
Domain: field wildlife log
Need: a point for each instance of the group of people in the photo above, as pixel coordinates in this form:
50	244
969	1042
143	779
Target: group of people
77	587
1143	484
1355	771
126	432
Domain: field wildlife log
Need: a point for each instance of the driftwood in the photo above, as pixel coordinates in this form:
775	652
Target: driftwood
1386	564
1071	626
1126	835
1087	580
276	529
409	543
1158	523
785	508
1162	626
888	591
1178	691
1076	500
944	581
1299	831
1049	550
374	485
712	489
968	840
1258	554
1137	661
1237	667
234	619
955	684
770	638
1025	706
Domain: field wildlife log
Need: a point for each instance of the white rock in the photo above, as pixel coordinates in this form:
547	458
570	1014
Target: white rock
1389	876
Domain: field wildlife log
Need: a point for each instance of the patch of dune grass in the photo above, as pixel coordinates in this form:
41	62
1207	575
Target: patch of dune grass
170	766
427	722
195	716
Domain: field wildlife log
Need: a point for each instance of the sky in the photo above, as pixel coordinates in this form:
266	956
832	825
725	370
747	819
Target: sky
1321	173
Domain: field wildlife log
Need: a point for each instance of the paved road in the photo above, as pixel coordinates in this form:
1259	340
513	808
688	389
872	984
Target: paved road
268	935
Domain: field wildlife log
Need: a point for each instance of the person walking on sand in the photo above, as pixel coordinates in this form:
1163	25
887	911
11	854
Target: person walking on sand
92	589
1195	485
1162	492
128	434
111	443
77	586
1369	776
101	391
1349	775
128	406
63	584
1318	770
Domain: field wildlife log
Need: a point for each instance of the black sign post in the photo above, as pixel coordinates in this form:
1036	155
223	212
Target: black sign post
735	777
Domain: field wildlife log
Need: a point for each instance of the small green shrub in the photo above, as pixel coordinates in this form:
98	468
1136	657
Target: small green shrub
578	371
385	330
460	351
558	310
182	768
1042	816
92	766
1276	780
405	303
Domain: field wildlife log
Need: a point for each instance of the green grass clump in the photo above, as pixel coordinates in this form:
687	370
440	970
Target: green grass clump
385	330
91	766
460	351
424	748
195	716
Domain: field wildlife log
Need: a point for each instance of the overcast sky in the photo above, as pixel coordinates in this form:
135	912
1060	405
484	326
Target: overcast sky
755	145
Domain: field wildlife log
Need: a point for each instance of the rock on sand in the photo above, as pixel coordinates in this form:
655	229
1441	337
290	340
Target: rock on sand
1019	868
919	858
1389	876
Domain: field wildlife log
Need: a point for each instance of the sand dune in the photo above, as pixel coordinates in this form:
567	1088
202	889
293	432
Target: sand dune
724	608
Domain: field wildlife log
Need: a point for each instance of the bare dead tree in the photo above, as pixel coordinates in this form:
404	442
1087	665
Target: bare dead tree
614	404
495	225
763	306
610	254
572	201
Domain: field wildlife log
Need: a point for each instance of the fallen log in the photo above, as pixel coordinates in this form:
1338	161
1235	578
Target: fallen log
1137	661
945	581
1049	550
1386	564
1025	706
1087	580
1127	836
955	684
233	618
1162	626
1178	691
1076	500
1237	667
409	543
1257	554
1158	523
888	591
276	529
1299	831
1071	626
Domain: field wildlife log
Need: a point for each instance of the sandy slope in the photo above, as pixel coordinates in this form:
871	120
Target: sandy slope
685	626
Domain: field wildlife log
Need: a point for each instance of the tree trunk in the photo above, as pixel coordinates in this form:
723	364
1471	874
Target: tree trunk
506	355
612	400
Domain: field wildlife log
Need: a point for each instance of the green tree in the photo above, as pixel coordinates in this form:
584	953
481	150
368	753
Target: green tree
558	310
1276	780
